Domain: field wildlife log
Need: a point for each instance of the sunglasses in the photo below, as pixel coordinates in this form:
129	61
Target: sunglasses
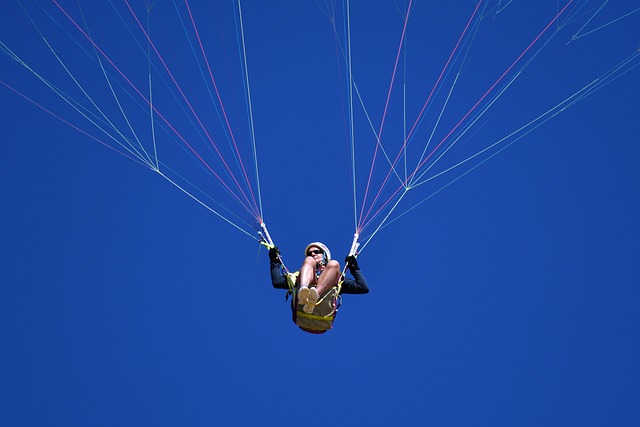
315	252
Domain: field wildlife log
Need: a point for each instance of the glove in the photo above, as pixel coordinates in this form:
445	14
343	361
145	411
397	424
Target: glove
352	263
273	254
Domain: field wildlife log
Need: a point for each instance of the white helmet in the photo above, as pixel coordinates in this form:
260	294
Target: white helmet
327	252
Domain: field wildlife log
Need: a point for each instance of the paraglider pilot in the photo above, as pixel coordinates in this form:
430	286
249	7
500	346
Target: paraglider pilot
318	275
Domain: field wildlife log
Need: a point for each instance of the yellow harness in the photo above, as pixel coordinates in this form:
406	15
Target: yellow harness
324	312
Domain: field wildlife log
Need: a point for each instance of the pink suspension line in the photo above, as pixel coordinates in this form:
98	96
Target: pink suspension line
410	177
242	203
63	120
524	52
254	208
435	86
224	111
386	107
453	52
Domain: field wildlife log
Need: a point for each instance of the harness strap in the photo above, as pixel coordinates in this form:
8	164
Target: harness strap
315	317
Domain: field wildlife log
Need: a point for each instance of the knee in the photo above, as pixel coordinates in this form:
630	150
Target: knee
333	265
310	261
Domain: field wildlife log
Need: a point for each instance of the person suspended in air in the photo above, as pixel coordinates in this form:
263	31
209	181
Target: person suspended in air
317	286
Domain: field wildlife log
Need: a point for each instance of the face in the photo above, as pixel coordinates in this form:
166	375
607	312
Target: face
316	253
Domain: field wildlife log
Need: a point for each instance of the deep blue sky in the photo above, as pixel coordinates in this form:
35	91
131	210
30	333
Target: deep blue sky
510	298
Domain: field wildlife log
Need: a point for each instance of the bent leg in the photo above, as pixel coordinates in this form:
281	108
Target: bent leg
307	274
329	277
306	278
